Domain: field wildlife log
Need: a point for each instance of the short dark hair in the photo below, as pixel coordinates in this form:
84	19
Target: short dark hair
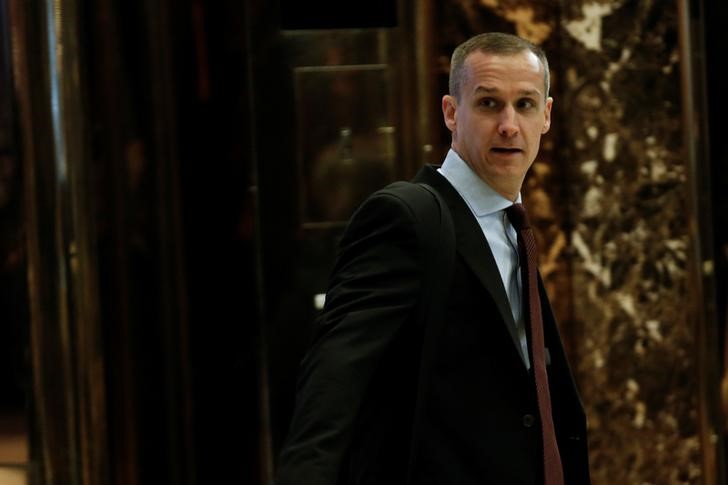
492	43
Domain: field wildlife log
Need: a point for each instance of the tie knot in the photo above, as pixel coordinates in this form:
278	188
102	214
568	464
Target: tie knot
518	217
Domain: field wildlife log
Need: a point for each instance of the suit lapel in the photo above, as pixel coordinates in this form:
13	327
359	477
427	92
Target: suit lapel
473	247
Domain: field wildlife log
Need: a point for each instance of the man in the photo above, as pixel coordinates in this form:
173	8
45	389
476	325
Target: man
482	418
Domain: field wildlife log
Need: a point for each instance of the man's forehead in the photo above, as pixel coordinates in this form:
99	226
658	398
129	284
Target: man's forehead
488	70
526	58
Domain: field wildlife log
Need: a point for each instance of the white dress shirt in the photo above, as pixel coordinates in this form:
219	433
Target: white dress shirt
488	207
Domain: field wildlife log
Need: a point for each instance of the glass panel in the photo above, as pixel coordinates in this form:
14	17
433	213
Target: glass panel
345	137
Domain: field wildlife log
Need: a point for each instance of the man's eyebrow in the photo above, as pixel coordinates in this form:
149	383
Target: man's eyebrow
522	92
485	90
530	92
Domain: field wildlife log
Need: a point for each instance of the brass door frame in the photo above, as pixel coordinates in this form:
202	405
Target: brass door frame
701	262
68	432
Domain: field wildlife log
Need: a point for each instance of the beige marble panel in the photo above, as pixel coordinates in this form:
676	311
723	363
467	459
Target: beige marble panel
13	476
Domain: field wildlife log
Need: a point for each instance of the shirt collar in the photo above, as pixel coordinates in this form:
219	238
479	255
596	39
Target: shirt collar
480	196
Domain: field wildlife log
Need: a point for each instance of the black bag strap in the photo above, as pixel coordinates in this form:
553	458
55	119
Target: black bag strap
438	237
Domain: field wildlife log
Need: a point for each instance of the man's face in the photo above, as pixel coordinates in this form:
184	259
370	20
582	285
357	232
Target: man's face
498	122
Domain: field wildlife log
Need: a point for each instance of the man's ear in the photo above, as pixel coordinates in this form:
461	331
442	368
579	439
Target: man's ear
449	107
547	115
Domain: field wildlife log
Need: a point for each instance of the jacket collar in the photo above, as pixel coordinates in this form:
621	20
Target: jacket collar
472	246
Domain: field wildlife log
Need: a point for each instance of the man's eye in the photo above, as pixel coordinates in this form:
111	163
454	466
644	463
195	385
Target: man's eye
526	104
488	103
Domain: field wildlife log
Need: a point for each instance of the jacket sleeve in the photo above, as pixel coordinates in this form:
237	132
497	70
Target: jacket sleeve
372	291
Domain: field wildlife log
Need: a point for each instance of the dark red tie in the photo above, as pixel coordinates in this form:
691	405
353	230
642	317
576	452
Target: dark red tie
553	472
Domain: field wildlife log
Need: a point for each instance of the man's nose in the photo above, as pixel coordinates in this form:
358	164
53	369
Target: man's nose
507	125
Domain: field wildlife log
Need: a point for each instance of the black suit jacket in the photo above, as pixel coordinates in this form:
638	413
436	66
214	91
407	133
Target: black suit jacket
358	382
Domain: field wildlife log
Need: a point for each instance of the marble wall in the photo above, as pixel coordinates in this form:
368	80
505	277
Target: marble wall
609	193
629	239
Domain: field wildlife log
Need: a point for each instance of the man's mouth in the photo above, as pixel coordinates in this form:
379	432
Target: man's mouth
506	150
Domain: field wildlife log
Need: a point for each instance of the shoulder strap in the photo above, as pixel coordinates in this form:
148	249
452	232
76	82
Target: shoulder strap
438	237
